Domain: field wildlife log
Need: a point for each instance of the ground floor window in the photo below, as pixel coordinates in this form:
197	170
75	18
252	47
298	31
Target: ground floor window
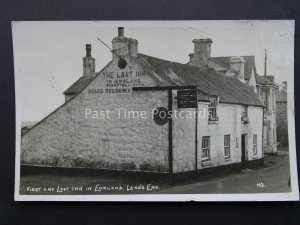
205	148
227	146
254	144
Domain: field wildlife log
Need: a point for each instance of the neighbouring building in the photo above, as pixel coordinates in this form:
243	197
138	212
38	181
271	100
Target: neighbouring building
243	68
282	116
218	98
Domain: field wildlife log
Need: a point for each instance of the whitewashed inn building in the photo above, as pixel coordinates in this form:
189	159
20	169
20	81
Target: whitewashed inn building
78	134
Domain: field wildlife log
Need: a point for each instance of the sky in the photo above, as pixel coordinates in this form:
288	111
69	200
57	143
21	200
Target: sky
48	55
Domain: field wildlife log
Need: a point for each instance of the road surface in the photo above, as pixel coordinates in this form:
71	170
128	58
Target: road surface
272	178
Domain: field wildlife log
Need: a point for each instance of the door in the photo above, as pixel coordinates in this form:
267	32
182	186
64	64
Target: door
243	148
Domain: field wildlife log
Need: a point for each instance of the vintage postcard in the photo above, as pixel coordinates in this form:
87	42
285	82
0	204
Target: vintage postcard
155	111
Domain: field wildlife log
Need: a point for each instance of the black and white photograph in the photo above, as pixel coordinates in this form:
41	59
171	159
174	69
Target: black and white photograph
155	110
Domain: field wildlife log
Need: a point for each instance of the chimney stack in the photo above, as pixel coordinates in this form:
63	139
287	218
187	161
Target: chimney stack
202	51
237	64
124	47
88	62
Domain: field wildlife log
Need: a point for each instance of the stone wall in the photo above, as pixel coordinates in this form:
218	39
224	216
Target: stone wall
282	124
70	138
282	118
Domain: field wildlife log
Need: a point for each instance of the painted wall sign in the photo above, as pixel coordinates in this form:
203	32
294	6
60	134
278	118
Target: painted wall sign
117	82
187	99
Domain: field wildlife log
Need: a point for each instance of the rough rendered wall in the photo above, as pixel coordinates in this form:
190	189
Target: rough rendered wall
67	138
183	140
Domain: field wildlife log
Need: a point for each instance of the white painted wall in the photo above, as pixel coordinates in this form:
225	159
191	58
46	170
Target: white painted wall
229	123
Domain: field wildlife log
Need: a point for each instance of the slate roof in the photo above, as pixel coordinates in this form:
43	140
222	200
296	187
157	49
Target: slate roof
229	89
249	64
208	81
79	85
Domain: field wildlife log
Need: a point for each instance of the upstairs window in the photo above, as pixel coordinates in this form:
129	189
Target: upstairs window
212	108
244	114
254	144
227	146
205	148
245	111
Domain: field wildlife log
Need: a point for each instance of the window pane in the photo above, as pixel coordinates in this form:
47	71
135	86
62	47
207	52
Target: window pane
212	107
205	148
227	146
255	144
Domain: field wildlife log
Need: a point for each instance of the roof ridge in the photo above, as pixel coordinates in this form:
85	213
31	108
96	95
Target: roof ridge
182	64
233	56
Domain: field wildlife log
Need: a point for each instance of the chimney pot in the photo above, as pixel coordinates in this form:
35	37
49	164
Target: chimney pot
191	55
88	48
120	31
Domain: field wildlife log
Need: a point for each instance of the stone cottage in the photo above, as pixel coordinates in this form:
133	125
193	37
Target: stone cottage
141	113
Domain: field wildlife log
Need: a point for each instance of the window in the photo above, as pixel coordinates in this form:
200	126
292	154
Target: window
205	148
227	146
244	114
212	108
254	144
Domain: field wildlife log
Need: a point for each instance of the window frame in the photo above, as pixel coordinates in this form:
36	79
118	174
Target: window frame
244	111
254	144
212	108
244	114
207	148
228	146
